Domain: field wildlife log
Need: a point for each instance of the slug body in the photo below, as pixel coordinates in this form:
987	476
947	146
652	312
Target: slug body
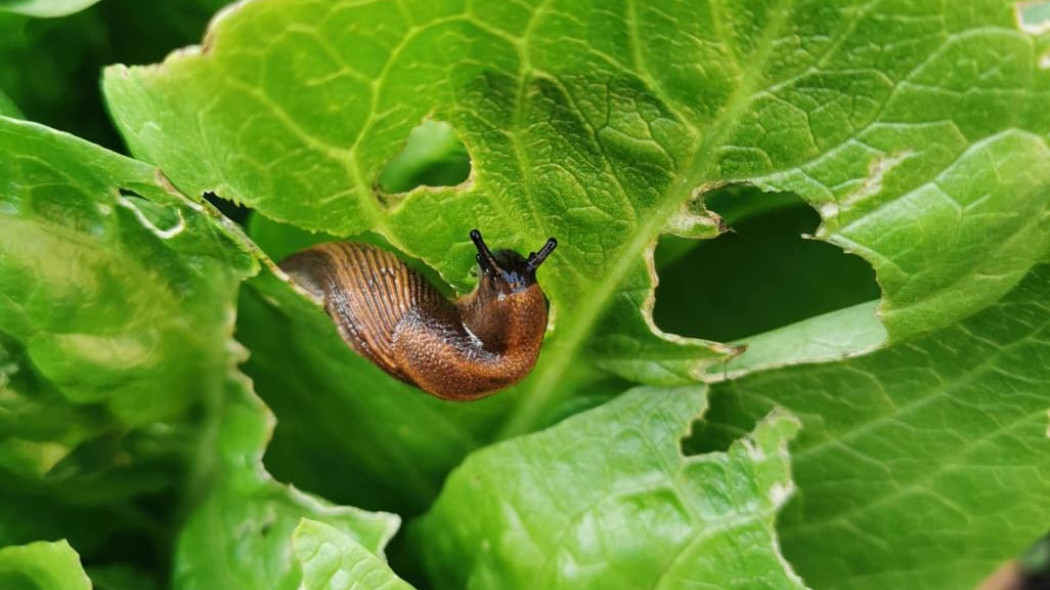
456	350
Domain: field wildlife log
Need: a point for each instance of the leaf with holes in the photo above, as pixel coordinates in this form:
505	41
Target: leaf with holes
917	130
922	466
606	500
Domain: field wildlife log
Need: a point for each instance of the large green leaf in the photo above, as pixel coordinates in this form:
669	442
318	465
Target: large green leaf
42	566
917	129
606	500
241	535
923	466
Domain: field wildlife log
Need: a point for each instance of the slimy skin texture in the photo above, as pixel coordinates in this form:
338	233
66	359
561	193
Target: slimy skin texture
457	350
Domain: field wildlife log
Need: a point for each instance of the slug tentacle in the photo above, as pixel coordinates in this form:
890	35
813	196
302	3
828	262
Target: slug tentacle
392	316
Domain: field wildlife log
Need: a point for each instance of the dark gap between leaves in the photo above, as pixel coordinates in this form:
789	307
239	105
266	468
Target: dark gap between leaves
761	276
722	424
233	211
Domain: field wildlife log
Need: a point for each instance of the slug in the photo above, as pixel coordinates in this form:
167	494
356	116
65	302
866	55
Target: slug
456	350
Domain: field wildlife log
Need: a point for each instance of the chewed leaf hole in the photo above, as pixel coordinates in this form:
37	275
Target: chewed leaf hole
433	156
1033	17
761	276
724	423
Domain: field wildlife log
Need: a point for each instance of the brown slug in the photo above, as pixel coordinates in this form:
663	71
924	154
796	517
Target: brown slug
456	350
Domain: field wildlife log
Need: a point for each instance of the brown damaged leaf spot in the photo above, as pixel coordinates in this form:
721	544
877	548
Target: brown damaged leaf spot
693	219
161	179
871	186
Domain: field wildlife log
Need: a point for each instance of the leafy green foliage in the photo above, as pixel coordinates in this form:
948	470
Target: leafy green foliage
50	66
916	131
242	533
115	316
606	500
609	132
111	284
921	466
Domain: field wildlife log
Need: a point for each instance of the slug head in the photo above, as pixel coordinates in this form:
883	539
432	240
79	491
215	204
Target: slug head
506	271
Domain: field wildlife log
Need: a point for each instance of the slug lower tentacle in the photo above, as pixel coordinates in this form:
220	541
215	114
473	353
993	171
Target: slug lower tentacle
456	350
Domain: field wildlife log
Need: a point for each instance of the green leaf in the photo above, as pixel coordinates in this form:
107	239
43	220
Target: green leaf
116	298
917	129
829	337
241	534
42	566
332	560
923	466
45	8
606	500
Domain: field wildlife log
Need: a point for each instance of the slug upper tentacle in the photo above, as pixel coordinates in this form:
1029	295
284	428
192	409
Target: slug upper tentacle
456	350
